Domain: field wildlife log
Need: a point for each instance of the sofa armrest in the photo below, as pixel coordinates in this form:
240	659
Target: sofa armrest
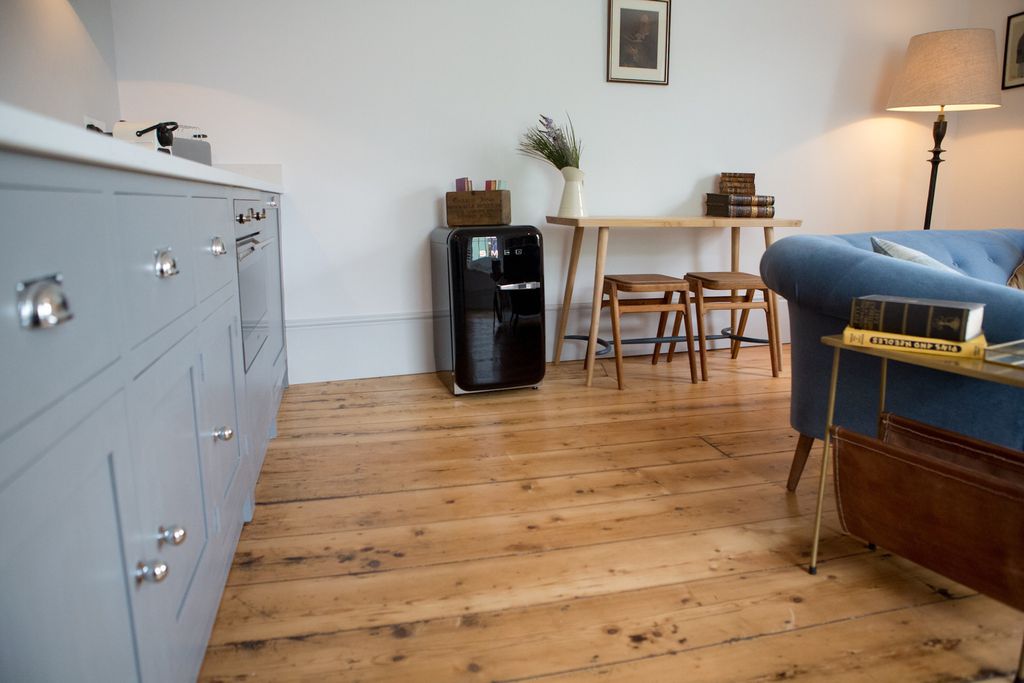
824	273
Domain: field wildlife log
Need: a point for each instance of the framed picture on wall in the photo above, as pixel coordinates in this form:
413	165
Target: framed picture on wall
638	33
1013	55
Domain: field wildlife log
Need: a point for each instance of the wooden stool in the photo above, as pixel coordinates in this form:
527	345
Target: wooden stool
613	284
733	301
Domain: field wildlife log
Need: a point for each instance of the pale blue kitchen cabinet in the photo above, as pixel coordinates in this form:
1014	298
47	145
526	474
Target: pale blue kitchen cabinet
130	432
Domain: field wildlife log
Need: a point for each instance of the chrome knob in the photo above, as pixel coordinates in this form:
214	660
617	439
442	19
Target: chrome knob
272	203
41	303
217	247
224	433
164	264
242	218
174	535
151	571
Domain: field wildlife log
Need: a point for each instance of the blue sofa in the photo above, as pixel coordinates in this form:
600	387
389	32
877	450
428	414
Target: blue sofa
819	275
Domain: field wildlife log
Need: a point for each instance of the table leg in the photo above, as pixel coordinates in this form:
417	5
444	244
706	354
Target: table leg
570	279
734	266
813	569
883	380
769	237
595	308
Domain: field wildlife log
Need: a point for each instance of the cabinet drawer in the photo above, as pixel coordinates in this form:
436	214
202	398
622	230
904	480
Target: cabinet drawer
64	584
213	237
66	236
168	490
157	262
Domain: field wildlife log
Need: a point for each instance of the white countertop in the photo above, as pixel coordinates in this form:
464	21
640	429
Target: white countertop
31	133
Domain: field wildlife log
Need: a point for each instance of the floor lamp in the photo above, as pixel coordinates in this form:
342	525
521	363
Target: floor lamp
947	71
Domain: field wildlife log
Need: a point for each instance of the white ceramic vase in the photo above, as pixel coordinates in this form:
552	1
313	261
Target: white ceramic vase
572	194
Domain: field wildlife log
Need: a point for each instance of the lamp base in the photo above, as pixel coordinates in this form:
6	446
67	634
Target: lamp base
938	133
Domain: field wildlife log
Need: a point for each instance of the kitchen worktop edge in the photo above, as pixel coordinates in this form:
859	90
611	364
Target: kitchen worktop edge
31	133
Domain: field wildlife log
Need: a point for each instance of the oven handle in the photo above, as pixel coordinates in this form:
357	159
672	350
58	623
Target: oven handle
254	246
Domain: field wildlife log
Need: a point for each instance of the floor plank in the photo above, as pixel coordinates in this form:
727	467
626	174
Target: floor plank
403	534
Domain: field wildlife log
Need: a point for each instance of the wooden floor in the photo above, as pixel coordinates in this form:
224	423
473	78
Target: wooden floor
573	534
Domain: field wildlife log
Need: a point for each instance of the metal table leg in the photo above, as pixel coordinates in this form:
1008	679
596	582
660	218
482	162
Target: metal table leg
813	569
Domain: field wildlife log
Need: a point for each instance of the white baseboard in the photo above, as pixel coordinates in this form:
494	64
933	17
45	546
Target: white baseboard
352	347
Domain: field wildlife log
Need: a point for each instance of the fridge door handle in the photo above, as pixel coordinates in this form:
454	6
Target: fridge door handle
519	285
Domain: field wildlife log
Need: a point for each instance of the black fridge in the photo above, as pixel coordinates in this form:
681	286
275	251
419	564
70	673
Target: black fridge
488	287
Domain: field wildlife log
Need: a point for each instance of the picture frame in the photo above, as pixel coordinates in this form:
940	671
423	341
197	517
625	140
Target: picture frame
638	41
1013	52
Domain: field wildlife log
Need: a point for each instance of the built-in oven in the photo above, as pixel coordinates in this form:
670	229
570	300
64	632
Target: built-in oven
252	249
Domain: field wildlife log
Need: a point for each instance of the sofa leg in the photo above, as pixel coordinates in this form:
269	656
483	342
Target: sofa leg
803	449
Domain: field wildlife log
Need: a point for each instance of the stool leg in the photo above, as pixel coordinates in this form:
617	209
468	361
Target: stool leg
685	296
616	335
675	326
773	342
742	329
698	294
662	321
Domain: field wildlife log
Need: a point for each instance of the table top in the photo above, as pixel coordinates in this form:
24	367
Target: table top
673	222
968	367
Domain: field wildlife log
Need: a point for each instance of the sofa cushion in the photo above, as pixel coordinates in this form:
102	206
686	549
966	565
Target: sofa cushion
1017	277
899	251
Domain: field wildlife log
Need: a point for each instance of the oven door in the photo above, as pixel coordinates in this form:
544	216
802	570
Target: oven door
252	294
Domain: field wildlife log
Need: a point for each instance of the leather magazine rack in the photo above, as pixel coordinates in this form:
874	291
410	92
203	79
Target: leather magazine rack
943	500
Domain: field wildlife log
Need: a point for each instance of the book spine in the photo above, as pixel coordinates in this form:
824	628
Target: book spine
741	199
918	320
728	175
972	348
732	211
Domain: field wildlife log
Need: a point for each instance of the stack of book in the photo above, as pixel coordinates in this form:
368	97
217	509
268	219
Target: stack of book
738	198
947	328
466	185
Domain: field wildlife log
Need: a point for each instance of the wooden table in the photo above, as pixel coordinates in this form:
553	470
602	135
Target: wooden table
605	223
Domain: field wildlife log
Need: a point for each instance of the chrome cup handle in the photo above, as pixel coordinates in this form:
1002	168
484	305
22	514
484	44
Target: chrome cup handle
217	246
164	264
42	303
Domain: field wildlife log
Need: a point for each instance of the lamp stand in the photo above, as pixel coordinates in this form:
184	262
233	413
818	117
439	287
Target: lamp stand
938	132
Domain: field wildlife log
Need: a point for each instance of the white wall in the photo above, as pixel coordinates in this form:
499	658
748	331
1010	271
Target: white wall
374	107
57	58
984	179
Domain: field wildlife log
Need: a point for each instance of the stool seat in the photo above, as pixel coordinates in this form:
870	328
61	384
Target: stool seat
666	287
647	282
727	280
734	282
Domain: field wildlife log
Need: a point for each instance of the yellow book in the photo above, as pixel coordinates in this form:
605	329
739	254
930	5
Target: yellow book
972	348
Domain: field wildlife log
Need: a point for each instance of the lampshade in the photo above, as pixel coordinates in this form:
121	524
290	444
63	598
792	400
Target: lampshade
956	70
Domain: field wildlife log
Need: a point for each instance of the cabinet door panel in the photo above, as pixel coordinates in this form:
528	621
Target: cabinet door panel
168	487
55	233
220	368
64	584
212	228
152	226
